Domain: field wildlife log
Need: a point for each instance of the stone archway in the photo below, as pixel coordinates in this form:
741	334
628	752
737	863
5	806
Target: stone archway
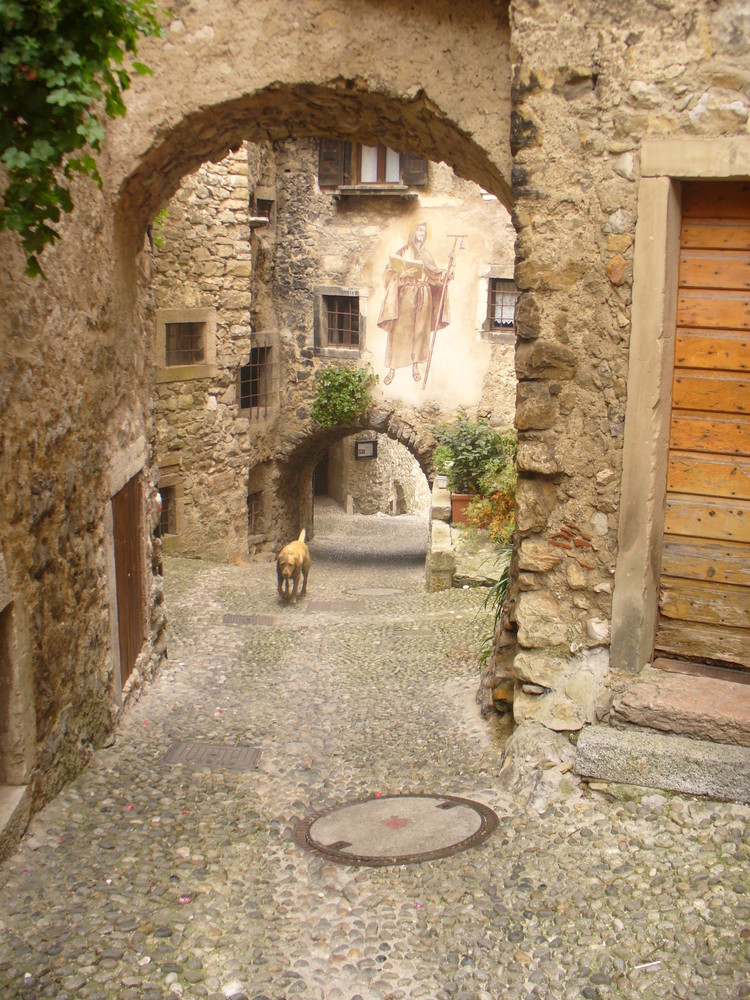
75	399
304	69
288	473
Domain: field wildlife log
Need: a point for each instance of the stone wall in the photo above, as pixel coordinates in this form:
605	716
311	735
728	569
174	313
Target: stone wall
392	483
202	261
591	82
255	238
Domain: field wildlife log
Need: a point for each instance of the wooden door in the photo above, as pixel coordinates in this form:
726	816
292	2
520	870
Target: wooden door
705	575
128	519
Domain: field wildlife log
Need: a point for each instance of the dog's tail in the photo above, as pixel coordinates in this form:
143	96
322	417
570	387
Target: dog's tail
301	536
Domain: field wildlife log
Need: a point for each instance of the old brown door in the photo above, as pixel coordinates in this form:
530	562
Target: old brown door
705	577
127	516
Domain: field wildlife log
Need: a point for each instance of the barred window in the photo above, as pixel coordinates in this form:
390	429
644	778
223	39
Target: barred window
256	380
342	315
168	517
501	313
184	343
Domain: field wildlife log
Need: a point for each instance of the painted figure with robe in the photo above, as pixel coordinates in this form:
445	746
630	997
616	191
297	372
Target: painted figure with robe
415	304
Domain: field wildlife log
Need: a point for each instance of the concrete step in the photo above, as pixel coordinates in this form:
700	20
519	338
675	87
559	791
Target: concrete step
15	810
699	703
637	756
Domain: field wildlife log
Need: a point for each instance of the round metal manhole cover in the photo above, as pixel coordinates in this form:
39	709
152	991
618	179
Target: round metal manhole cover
397	829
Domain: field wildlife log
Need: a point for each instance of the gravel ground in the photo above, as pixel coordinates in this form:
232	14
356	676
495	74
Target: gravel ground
147	880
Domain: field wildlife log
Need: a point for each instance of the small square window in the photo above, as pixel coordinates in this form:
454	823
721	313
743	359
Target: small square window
338	324
185	343
501	311
342	321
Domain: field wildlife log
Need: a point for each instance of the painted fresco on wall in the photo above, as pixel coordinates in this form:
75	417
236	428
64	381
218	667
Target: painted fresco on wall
415	306
422	336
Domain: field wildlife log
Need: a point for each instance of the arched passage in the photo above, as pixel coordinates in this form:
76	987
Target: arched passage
431	79
288	478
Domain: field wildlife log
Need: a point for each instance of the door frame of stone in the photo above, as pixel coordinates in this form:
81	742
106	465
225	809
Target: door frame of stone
664	164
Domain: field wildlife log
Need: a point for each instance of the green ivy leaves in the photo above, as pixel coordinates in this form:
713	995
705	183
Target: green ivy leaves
341	395
61	64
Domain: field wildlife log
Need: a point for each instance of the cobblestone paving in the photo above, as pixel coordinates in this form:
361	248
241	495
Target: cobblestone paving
148	880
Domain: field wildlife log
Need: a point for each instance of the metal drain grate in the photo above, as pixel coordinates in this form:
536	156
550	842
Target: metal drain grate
249	620
212	755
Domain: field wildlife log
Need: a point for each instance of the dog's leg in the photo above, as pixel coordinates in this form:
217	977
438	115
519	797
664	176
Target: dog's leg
304	582
294	589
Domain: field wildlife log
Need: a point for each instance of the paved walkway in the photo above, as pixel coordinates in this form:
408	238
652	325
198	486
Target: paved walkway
149	880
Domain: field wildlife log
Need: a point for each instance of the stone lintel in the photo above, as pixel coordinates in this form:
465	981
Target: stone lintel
700	159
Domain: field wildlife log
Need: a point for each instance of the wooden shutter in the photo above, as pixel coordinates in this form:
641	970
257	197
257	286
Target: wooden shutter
128	526
331	162
705	578
413	170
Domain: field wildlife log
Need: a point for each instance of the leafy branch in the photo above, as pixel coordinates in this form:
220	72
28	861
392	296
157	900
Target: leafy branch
61	71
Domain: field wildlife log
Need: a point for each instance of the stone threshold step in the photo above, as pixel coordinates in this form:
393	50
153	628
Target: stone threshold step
634	756
705	705
15	810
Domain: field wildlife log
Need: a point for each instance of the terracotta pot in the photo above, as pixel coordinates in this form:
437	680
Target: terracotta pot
459	503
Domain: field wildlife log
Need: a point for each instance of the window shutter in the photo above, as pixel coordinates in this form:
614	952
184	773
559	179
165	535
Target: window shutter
331	163
413	170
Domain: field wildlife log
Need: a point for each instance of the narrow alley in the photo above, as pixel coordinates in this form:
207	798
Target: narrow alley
147	879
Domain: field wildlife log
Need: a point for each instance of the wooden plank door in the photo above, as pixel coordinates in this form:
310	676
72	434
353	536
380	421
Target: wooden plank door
705	581
127	518
705	576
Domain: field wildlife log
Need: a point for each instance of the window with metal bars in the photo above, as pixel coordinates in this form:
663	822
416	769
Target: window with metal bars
256	379
501	312
168	516
342	320
254	513
185	343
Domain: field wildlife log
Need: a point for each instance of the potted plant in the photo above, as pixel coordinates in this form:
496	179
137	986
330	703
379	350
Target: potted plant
470	453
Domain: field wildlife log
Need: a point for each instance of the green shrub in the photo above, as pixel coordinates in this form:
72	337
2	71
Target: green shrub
342	395
473	455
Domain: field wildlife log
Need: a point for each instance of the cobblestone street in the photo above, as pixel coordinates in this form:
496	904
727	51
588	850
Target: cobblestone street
144	879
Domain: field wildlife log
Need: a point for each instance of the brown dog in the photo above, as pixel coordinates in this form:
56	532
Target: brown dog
293	560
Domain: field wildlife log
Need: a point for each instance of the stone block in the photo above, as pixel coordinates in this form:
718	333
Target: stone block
536	456
540	621
535	499
575	689
542	359
534	407
660	760
441	504
537	557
